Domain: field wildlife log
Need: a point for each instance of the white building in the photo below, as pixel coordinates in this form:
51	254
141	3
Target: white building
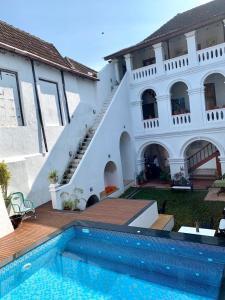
164	96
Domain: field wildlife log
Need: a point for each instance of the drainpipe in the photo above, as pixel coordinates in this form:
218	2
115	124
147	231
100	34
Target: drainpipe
39	106
65	96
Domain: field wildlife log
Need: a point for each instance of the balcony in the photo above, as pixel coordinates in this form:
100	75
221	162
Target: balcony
151	123
178	64
181	120
144	73
212	54
215	115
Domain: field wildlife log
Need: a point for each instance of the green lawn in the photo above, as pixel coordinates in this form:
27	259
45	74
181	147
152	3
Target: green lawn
187	207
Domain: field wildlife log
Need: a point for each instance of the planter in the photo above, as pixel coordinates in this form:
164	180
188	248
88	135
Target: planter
16	220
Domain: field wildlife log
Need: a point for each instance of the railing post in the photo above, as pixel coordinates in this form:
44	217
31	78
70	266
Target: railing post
192	48
159	58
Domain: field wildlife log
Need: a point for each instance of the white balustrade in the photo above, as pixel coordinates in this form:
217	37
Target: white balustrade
215	115
176	64
211	54
151	123
182	119
144	73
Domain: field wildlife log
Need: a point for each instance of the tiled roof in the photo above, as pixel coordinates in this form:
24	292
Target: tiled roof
76	66
23	43
182	23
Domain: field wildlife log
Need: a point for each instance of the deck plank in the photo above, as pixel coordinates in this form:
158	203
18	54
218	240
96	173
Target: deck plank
113	211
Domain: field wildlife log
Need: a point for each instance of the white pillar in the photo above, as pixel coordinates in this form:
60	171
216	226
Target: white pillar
55	192
137	117
116	68
222	163
192	48
164	111
129	63
5	223
197	107
159	58
178	165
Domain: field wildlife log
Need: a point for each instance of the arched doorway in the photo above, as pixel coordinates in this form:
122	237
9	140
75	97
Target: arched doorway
92	200
202	160
156	162
214	91
127	158
179	98
149	105
111	179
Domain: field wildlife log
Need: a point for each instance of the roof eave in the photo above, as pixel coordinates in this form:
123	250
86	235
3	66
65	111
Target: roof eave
43	60
162	38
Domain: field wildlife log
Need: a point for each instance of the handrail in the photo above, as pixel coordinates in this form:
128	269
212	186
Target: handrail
202	154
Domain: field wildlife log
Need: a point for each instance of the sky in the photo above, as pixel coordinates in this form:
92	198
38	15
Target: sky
88	30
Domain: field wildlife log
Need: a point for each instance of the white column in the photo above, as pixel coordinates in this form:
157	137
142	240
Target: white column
5	223
178	165
55	192
222	163
159	58
129	63
116	68
192	48
137	117
197	107
164	112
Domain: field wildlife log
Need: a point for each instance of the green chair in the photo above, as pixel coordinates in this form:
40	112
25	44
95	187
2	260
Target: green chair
22	206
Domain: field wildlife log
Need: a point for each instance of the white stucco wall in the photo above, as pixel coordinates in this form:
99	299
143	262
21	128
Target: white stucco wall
5	223
22	146
103	148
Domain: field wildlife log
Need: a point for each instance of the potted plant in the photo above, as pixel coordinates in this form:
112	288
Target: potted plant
68	205
180	182
4	181
53	177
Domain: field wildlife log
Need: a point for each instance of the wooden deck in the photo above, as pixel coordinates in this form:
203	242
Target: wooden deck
113	211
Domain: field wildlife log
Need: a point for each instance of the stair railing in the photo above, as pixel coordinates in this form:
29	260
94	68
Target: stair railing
207	151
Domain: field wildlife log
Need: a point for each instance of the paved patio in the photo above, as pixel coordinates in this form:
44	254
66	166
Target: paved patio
113	211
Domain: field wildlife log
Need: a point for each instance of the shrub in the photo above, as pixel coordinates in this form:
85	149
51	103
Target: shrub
4	180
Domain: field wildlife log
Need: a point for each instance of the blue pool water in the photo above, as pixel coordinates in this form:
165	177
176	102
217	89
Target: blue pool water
85	264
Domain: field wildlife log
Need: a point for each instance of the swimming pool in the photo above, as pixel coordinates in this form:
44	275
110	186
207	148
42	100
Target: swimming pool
93	263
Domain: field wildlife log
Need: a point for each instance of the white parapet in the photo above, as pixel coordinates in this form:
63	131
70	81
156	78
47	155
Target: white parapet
5	223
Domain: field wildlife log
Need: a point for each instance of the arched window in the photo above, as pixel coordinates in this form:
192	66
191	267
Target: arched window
214	91
149	105
179	98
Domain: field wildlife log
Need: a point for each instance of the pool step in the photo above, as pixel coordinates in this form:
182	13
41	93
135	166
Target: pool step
161	269
151	261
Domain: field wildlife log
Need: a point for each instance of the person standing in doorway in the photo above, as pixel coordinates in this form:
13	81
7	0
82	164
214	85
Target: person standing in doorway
156	169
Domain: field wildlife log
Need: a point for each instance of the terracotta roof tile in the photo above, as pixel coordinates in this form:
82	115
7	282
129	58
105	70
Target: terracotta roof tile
24	41
76	66
21	42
